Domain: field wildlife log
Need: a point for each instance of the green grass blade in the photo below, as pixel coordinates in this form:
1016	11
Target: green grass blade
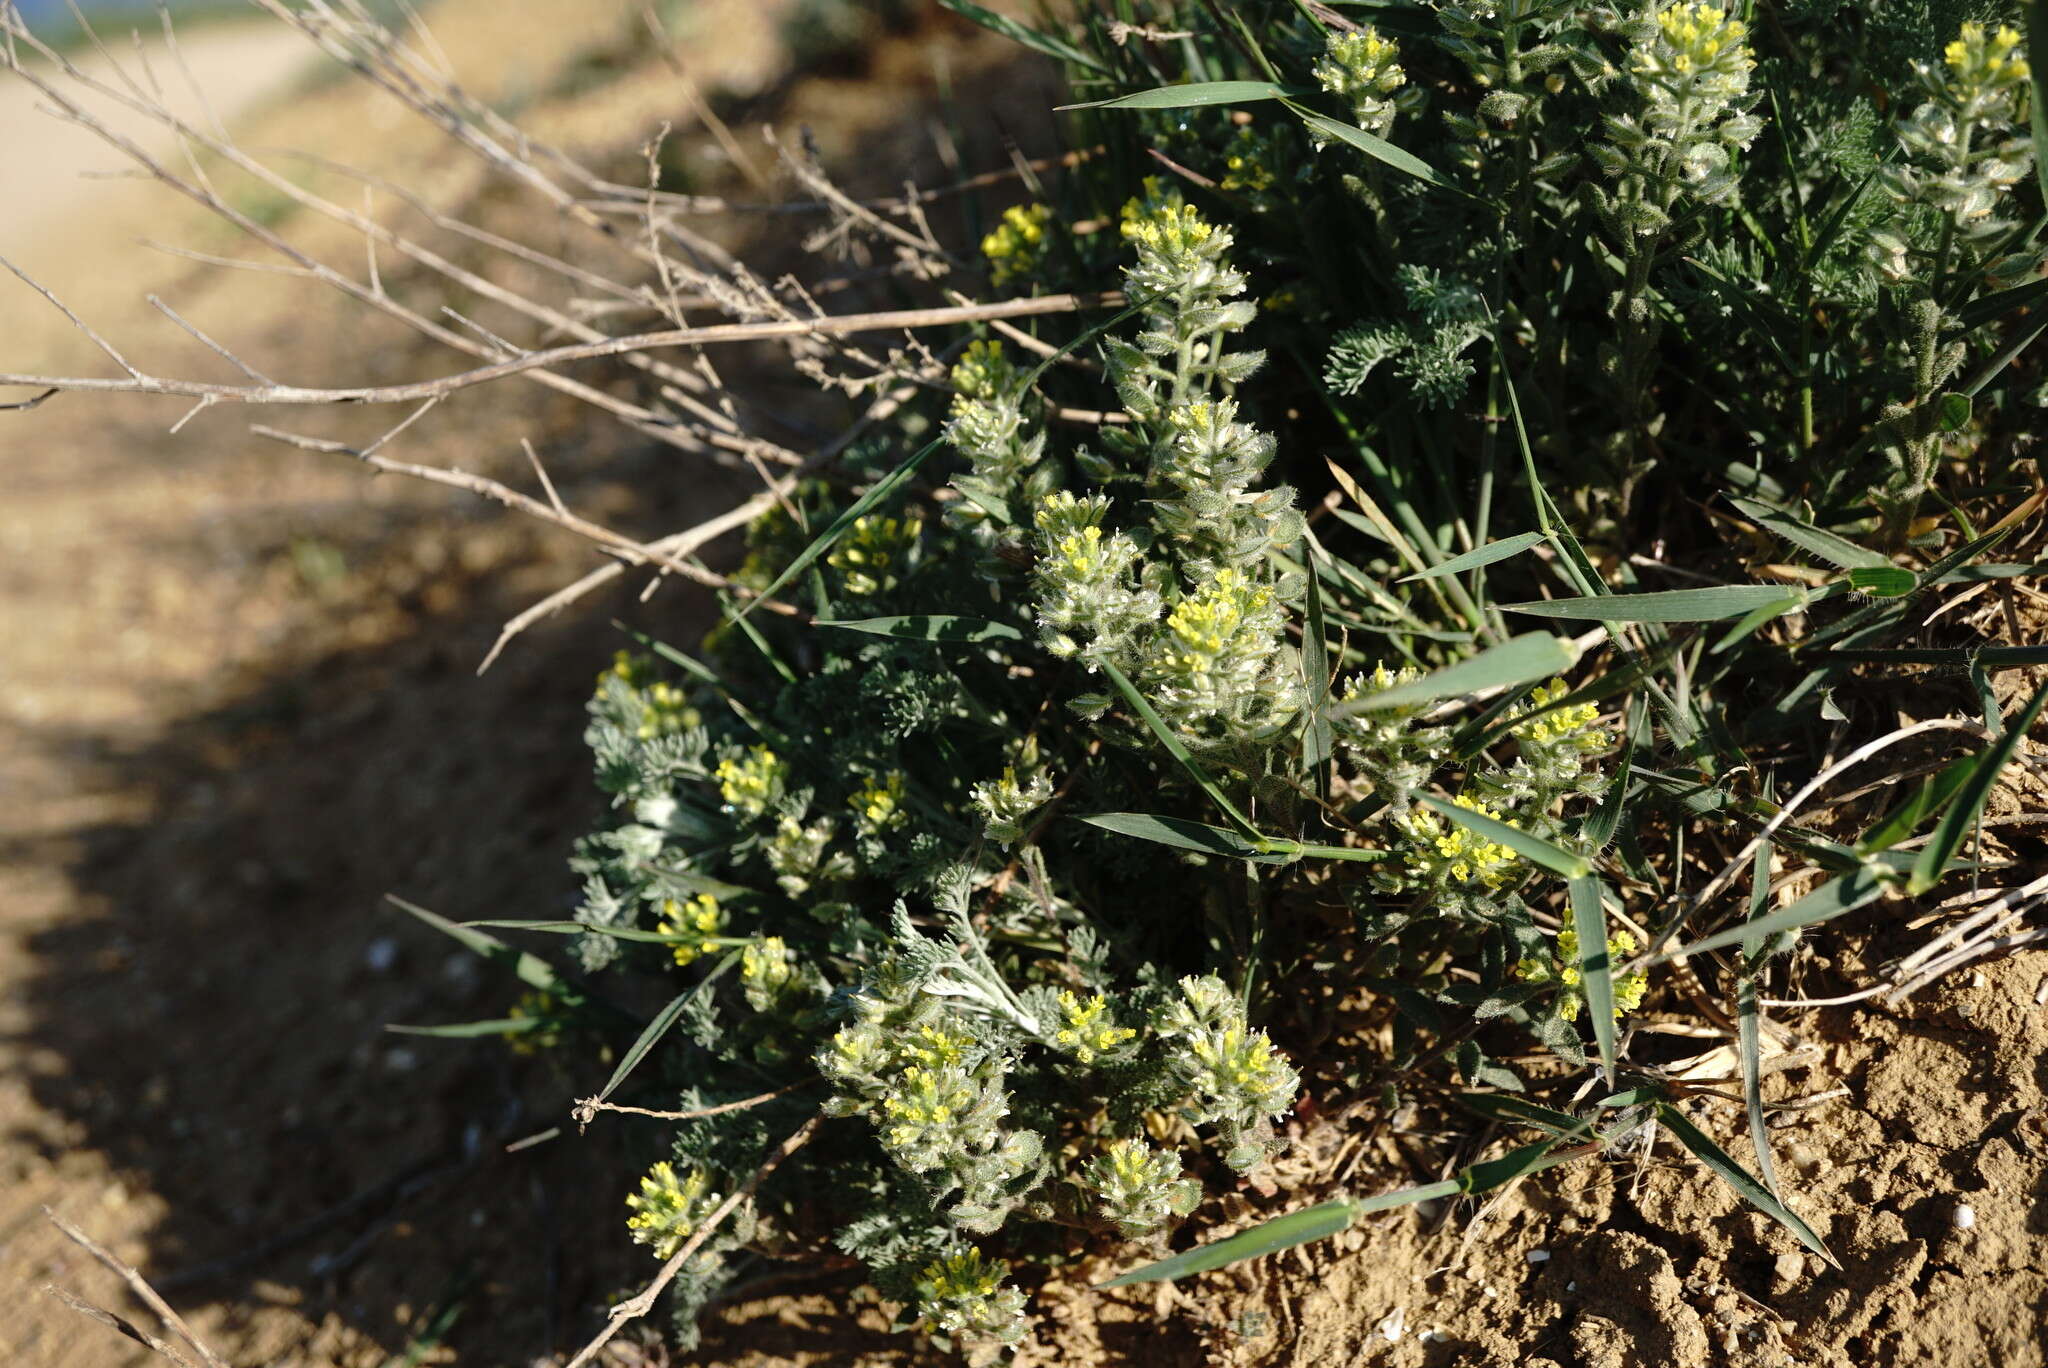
1186	835
1195	95
1179	752
1711	604
1534	655
531	970
659	1027
1749	1022
1735	1176
1282	1232
1970	798
468	1030
1534	849
689	665
1481	555
1836	551
1596	976
1883	581
1319	739
1757	617
883	490
1935	792
1832	899
1375	147
1029	37
928	627
577	928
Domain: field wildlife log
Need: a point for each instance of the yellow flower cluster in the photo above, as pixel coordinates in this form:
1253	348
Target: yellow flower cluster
1628	988
664	708
1698	36
1365	69
1235	1058
871	549
932	1047
1698	48
1464	854
749	784
1088	1032
878	804
924	1098
1980	62
767	964
1171	231
667	1209
538	1007
983	372
960	1277
1574	723
698	921
1207	621
1017	245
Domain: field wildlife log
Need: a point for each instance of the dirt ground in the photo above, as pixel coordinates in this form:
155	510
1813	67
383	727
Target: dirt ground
238	706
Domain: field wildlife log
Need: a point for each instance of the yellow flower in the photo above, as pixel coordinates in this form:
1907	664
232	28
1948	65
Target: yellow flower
872	549
749	784
878	804
1087	1033
1628	988
667	1209
1017	245
698	921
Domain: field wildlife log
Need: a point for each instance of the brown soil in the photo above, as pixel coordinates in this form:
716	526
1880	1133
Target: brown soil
239	707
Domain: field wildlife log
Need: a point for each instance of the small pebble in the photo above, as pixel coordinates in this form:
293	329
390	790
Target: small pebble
380	956
1572	1286
1536	1256
1396	1325
1965	1216
2041	992
401	1060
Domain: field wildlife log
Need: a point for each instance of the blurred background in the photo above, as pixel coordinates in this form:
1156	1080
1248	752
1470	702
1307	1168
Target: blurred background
238	690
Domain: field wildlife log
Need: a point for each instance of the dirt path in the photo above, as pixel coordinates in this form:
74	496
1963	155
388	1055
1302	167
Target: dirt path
47	164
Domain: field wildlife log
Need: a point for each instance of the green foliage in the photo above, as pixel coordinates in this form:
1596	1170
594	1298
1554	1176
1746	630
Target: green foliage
1036	845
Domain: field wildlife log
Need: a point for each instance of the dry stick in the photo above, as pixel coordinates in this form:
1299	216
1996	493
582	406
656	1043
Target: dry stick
553	356
683	543
645	421
586	1109
1819	781
642	1304
117	1324
140	1288
633	552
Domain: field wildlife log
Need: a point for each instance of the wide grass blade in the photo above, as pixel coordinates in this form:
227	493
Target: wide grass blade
1970	798
928	627
1194	95
1832	899
1179	752
1596	976
1282	1232
1534	655
1029	37
1534	849
1837	551
1734	1175
1373	146
531	970
883	490
1186	835
1481	555
1710	604
659	1027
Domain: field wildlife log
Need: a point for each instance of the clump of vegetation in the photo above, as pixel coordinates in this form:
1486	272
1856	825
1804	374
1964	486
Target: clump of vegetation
1095	748
1487	452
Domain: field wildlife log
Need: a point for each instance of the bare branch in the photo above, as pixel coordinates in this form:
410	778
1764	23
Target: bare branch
831	326
143	1291
643	1303
586	1109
